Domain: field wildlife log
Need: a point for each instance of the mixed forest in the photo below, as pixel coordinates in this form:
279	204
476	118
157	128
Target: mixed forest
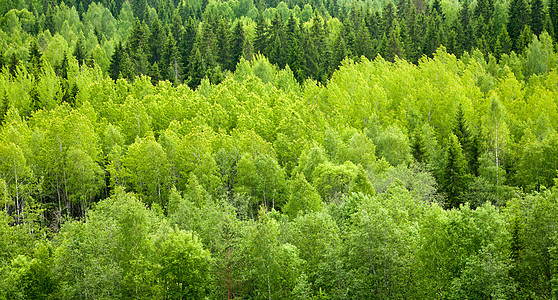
257	149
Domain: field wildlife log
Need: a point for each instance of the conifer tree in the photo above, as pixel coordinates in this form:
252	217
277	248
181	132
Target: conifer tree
455	177
171	60
538	16
238	40
79	52
553	15
518	19
64	65
116	61
504	42
260	40
35	58
294	49
276	42
14	62
157	39
155	74
394	46
4	106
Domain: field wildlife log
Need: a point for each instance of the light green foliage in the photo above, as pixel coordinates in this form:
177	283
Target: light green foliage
303	197
120	250
394	145
272	269
332	181
185	266
146	170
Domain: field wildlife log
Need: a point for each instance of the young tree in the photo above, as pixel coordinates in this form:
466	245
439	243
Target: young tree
455	177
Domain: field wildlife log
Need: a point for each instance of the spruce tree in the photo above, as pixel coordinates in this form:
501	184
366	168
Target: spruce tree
276	42
79	52
64	65
115	62
394	46
4	106
35	59
553	15
12	66
538	16
461	129
518	19
455	178
238	39
155	74
260	40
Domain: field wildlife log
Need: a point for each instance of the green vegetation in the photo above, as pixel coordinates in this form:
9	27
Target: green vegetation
258	149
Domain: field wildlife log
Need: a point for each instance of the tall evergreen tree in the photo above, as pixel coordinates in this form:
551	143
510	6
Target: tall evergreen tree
157	39
116	61
187	41
485	9
12	66
538	16
518	18
260	40
79	52
394	46
276	42
238	40
35	58
455	178
553	15
294	49
4	106
171	60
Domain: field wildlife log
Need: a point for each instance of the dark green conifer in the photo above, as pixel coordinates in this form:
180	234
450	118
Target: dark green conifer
518	19
538	16
455	177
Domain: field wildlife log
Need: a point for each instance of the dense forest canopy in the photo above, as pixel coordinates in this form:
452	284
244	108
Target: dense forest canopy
280	150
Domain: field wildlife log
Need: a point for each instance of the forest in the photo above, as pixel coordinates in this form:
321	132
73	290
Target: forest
257	149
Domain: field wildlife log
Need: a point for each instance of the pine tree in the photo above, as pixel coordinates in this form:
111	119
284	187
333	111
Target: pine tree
455	177
196	68
35	58
394	46
517	21
504	42
260	41
434	34
484	9
171	60
418	148
36	102
294	49
524	39
461	129
157	39
14	62
276	42
155	74
79	52
238	40
4	106
116	62
389	17
223	46
553	14
538	16
139	48
186	44
64	65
